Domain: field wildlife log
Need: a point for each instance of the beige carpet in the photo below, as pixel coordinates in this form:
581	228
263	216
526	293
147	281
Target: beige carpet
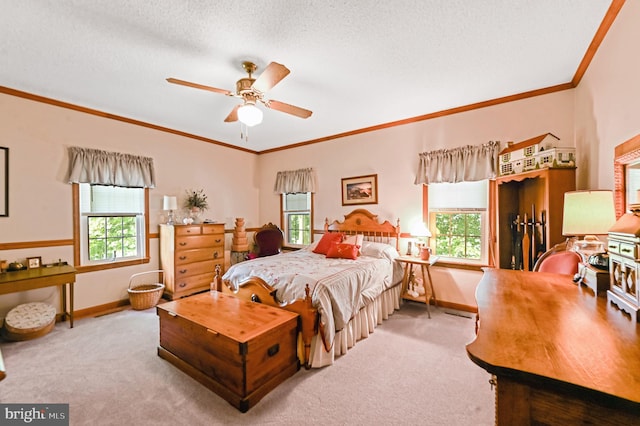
411	370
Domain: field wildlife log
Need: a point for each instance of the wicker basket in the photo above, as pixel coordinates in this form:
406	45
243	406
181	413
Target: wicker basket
145	289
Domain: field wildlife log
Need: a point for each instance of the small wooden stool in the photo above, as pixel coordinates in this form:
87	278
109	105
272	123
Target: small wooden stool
28	321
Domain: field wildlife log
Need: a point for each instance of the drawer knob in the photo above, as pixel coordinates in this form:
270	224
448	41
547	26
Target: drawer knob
182	285
183	271
182	257
215	254
183	244
218	240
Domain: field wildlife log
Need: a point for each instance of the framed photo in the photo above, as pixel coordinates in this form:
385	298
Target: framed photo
34	262
360	190
4	181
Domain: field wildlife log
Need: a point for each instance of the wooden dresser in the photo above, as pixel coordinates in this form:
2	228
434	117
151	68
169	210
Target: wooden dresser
560	355
240	350
189	255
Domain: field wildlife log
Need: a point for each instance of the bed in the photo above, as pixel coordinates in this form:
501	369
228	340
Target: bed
340	299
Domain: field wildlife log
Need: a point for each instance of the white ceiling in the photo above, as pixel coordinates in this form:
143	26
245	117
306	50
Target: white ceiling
355	64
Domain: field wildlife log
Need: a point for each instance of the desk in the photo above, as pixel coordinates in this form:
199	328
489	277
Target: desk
30	279
559	354
409	262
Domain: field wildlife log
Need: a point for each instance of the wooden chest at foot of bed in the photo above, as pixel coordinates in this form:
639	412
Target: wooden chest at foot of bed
240	350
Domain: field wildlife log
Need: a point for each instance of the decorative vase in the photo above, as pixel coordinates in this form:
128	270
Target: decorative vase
195	213
425	253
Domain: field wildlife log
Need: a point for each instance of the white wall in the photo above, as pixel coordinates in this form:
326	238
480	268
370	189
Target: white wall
40	205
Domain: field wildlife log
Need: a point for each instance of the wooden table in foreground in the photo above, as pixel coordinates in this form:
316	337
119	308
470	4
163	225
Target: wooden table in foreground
560	355
49	276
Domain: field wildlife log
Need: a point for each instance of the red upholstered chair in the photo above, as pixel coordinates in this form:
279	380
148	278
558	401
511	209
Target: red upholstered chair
559	260
268	240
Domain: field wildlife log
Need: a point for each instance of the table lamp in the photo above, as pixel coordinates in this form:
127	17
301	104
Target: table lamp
588	214
170	203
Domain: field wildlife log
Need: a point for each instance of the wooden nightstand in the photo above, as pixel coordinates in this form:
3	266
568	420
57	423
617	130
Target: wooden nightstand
407	279
594	278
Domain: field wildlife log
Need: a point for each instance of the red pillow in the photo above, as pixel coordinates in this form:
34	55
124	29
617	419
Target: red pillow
343	251
325	242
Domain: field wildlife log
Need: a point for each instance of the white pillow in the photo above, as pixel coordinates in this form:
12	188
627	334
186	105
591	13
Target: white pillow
379	250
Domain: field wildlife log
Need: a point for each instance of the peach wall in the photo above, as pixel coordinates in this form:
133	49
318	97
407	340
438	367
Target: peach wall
598	115
40	206
607	99
393	153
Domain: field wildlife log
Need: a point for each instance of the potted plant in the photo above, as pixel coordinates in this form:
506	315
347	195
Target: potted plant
196	203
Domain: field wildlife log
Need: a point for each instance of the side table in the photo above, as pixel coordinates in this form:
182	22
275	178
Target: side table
409	262
29	279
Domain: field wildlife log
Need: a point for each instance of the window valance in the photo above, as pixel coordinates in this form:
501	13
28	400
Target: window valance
99	167
295	181
465	164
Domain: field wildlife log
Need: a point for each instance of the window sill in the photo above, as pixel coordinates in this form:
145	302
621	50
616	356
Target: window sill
460	265
111	265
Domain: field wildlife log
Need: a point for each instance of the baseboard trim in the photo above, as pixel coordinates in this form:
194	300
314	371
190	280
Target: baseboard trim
107	308
458	306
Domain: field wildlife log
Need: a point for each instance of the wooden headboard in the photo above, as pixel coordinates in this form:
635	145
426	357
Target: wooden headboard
362	221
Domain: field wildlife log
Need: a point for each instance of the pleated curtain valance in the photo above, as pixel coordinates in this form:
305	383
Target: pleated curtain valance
295	181
465	164
98	167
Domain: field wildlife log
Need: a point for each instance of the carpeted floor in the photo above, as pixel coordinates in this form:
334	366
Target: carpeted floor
411	370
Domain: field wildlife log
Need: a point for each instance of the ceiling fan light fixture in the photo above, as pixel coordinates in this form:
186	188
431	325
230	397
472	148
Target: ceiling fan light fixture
250	115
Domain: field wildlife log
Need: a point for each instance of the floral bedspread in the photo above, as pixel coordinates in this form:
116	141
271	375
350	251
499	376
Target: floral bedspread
339	287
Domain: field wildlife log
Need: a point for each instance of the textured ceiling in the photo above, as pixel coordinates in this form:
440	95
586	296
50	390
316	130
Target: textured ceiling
355	64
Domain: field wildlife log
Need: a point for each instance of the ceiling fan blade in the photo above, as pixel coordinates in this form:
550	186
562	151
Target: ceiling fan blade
270	77
199	86
289	109
233	115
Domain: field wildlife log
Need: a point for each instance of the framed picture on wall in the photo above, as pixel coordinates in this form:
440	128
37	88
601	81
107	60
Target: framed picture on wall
360	190
4	181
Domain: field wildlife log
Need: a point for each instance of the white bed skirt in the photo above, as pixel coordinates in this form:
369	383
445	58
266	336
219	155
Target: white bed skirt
359	327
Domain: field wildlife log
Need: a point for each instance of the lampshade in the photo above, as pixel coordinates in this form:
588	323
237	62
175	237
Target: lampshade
169	203
420	230
249	114
588	213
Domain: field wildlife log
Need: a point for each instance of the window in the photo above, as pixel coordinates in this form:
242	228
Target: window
112	223
458	220
297	218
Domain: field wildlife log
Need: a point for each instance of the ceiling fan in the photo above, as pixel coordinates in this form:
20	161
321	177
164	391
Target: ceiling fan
252	91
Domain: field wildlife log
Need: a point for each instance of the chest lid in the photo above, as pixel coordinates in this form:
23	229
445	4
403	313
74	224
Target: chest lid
230	316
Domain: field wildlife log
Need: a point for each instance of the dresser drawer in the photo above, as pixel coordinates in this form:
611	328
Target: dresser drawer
196	268
628	250
213	229
193	282
188	230
198	255
198	241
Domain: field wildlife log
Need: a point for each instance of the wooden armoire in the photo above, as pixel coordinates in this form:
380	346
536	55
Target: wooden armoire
529	208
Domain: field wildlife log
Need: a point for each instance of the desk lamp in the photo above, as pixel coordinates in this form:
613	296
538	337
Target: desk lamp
588	214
